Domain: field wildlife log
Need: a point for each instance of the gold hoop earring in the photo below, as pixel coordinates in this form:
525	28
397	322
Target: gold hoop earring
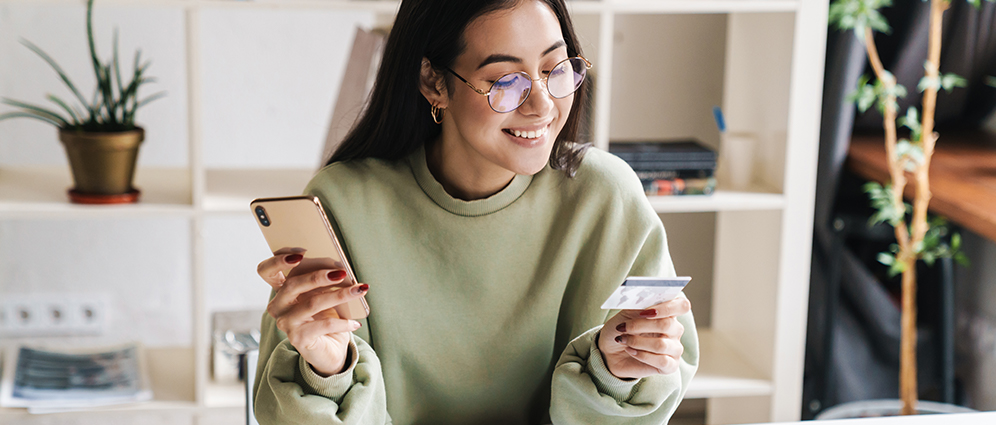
437	114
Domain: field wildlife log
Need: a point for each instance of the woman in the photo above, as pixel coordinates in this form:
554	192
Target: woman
488	239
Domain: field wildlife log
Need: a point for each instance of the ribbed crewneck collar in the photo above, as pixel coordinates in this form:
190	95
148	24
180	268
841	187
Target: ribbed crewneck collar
435	191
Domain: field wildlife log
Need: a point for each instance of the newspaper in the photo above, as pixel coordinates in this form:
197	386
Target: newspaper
45	380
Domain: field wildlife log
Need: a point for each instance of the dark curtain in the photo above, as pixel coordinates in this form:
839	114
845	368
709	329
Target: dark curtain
852	347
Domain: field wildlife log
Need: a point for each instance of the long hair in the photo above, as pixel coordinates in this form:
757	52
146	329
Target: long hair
396	122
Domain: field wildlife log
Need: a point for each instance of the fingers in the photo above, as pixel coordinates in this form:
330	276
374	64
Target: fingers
305	337
272	269
652	345
673	308
664	364
307	310
668	326
291	290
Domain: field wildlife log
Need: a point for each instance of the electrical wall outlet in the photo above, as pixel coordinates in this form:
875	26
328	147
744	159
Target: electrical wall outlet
30	315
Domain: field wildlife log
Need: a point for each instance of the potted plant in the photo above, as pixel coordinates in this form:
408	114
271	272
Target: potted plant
100	135
917	238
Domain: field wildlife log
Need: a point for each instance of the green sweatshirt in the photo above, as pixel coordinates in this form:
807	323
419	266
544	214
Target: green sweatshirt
484	311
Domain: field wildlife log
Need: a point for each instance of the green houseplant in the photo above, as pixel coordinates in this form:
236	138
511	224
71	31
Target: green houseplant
917	237
99	134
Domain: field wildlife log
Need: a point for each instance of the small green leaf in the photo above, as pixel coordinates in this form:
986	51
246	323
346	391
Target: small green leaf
885	258
962	259
950	81
956	241
929	83
878	23
896	268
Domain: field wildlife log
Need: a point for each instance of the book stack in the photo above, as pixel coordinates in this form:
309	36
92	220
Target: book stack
685	167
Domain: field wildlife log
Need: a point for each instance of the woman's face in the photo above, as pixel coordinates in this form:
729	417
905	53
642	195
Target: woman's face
526	38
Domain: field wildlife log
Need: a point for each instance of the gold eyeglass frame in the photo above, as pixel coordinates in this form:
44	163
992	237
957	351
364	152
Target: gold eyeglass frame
587	65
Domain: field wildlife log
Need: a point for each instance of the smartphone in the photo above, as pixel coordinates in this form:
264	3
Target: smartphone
299	222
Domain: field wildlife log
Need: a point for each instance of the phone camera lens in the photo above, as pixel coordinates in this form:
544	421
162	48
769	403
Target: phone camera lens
261	214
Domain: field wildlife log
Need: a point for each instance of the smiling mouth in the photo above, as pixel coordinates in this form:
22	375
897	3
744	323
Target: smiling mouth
532	134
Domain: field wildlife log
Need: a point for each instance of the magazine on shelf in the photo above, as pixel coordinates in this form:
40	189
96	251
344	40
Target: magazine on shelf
45	379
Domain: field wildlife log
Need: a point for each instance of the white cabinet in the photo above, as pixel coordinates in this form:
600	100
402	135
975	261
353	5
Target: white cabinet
236	131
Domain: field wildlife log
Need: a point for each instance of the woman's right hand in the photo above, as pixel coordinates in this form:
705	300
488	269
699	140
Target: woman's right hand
303	309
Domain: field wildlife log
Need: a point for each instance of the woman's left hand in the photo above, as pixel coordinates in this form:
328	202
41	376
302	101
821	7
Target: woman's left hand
641	343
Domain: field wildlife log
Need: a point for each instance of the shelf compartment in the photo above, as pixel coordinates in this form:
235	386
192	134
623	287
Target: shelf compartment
721	200
723	372
171	370
681	6
231	190
31	192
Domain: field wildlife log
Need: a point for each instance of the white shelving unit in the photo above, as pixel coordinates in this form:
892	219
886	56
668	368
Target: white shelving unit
769	82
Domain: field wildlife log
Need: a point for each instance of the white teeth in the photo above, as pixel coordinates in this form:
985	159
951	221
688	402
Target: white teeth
529	134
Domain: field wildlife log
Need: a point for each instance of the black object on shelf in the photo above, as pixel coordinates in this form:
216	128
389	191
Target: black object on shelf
664	150
678	167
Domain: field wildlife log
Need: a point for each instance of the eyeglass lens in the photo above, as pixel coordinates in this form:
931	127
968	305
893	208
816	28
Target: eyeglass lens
511	90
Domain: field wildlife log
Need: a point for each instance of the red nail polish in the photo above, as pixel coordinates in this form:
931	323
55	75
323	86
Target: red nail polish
619	339
294	258
622	327
364	287
649	313
360	289
337	275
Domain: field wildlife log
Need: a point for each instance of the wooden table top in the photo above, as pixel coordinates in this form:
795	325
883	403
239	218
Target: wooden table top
962	176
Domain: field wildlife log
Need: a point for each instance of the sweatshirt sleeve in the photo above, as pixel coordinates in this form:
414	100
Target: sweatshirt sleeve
584	391
287	389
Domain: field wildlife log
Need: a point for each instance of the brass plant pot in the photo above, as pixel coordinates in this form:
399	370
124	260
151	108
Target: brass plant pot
103	164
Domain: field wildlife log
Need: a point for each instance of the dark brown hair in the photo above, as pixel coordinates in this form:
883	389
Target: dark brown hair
396	122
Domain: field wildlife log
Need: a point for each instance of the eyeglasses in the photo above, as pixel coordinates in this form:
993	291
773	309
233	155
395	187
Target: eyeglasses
511	90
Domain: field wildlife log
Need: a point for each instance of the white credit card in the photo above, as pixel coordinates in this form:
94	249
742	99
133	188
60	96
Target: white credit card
638	293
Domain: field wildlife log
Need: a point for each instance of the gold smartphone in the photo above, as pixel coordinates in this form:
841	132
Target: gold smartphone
300	222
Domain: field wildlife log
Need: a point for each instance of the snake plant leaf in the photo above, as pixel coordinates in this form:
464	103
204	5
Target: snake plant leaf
89	36
58	69
151	99
108	91
28	115
117	66
63	105
38	110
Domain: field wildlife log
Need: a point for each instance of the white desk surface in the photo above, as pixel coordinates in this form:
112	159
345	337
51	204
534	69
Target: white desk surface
979	418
